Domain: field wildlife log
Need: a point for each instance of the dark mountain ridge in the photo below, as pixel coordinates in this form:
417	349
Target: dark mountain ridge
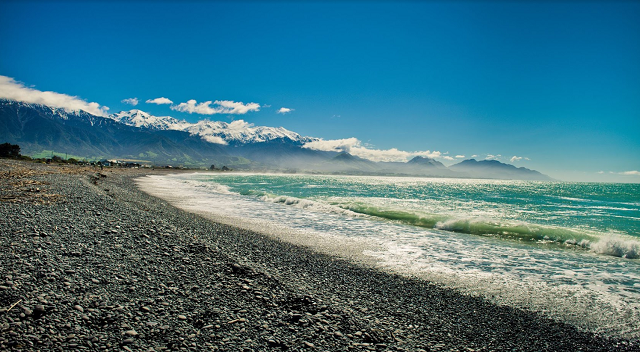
39	127
496	169
424	161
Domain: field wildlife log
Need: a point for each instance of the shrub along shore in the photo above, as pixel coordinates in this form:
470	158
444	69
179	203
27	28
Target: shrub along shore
89	262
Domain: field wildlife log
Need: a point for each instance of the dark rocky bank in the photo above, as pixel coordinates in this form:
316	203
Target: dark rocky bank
88	262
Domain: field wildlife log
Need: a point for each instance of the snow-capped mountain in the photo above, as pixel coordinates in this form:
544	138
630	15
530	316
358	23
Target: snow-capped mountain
137	135
37	128
240	131
139	118
218	132
54	112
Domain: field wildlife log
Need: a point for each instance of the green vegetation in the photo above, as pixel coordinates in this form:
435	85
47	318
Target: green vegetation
50	154
8	150
148	154
184	161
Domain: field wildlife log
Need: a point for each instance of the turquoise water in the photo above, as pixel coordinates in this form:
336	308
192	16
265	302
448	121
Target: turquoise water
568	250
565	213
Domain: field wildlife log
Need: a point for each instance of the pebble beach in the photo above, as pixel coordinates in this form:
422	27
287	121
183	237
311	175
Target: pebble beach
90	262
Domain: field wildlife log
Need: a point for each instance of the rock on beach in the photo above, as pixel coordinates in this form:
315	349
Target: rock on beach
91	263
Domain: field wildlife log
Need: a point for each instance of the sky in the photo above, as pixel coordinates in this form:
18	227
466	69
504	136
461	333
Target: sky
551	86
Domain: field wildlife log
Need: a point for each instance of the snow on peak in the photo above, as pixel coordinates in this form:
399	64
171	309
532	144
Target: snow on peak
139	118
218	132
241	131
60	112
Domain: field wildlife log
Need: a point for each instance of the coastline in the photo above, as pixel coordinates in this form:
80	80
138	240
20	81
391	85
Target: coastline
106	266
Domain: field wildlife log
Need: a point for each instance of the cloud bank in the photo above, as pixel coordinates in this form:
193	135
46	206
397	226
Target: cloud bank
353	146
159	101
220	107
630	173
10	89
130	101
284	110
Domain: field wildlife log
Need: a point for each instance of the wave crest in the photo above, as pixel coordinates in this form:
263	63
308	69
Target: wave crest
607	244
617	246
307	204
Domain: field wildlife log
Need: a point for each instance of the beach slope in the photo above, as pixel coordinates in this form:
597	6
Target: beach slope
87	261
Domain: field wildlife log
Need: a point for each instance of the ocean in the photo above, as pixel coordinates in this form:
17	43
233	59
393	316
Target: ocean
570	251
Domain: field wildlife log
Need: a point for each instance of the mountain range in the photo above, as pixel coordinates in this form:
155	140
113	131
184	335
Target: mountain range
165	140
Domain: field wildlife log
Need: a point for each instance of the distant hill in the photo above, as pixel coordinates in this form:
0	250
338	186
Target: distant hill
496	169
165	140
349	164
427	162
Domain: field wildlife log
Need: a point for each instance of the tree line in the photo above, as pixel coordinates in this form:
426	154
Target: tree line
8	150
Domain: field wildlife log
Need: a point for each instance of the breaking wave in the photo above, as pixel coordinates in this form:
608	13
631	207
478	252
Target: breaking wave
209	187
307	204
607	244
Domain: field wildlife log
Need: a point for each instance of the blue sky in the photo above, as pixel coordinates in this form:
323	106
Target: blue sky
555	84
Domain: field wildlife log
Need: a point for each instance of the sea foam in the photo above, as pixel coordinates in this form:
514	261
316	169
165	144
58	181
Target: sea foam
617	246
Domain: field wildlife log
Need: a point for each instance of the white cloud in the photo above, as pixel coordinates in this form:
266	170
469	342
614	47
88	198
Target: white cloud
631	173
334	145
232	107
130	101
223	107
493	157
284	110
379	154
517	158
10	89
392	154
459	156
215	140
354	146
159	101
446	157
474	156
427	154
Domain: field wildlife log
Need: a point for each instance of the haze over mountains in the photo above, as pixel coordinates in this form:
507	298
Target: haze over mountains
164	140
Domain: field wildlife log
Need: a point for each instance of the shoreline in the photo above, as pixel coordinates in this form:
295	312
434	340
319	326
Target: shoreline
106	266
